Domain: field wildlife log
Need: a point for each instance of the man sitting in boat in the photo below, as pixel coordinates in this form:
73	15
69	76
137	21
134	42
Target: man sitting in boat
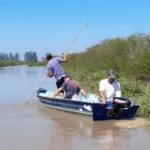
109	88
70	87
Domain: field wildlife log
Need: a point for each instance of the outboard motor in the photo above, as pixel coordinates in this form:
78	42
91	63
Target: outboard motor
120	103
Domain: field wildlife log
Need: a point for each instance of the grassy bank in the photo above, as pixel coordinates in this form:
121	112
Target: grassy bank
10	63
129	56
32	64
138	91
13	63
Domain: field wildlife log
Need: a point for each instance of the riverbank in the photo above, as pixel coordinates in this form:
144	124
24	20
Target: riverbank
138	91
129	56
32	64
6	63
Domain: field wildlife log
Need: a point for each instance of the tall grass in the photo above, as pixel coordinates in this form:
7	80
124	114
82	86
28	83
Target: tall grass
144	101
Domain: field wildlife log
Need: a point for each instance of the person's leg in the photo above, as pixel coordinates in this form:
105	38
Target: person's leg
59	84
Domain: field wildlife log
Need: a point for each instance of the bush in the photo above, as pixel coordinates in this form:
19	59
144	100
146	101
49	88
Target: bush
129	56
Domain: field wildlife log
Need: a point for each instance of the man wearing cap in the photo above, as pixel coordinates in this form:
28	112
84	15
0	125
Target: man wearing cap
109	87
55	69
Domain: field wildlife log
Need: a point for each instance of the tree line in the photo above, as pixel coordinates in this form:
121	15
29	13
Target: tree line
29	56
9	56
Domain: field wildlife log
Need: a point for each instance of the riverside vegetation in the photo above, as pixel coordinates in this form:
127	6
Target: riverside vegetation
4	63
129	56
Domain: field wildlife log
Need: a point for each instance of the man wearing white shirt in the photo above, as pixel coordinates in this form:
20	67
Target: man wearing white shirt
109	88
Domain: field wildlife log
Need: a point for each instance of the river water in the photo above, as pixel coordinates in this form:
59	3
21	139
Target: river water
33	127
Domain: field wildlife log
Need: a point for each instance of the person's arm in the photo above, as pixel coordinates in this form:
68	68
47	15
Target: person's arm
101	92
64	58
49	74
102	97
57	92
83	93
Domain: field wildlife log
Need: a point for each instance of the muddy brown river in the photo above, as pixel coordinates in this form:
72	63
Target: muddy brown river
34	127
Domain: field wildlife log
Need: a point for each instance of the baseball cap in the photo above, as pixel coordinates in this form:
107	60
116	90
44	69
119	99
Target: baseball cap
48	56
111	73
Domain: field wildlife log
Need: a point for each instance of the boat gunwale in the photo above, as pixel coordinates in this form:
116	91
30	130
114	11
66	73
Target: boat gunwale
67	109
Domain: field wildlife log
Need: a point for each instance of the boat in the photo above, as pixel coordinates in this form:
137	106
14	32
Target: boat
97	111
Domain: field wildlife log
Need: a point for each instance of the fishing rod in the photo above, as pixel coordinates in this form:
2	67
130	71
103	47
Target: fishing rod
75	39
68	47
37	87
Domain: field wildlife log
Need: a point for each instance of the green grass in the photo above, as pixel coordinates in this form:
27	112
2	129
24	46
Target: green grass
10	63
32	64
144	101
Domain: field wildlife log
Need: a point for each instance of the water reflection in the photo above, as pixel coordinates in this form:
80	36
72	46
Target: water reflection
10	71
71	129
22	69
19	82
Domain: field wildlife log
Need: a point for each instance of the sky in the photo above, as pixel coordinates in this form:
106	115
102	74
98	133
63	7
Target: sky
51	25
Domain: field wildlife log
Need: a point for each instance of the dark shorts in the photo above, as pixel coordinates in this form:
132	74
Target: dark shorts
60	82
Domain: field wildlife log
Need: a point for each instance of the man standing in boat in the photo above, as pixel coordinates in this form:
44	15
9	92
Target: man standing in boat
109	88
55	69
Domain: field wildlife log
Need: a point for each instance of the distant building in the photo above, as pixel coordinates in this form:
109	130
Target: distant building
30	56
